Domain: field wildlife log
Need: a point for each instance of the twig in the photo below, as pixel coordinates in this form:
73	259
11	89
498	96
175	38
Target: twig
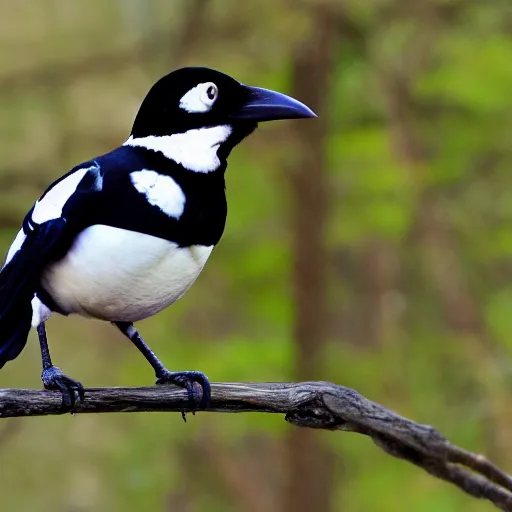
307	404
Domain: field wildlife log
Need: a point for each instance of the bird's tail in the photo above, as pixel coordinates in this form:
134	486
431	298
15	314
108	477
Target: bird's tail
19	281
15	315
14	329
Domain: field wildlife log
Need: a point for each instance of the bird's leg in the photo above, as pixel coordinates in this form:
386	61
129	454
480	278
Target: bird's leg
164	376
52	376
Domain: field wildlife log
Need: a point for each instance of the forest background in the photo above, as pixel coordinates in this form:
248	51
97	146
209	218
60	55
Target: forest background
371	247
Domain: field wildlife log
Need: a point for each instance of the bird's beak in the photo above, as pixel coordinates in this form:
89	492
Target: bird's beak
265	105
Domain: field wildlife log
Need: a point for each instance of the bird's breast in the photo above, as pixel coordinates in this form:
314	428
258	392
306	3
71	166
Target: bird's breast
120	275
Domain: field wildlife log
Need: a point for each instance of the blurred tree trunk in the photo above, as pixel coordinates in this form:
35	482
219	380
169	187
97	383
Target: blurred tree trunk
309	475
378	314
432	229
433	233
235	471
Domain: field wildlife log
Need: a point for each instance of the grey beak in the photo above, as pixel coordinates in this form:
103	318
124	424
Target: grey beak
266	105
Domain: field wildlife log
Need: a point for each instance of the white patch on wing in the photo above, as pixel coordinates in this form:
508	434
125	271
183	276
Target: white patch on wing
196	100
195	150
51	205
160	190
15	246
40	312
120	275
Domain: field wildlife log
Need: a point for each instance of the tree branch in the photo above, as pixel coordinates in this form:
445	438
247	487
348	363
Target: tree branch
319	405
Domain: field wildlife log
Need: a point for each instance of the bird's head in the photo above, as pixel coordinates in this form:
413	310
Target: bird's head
204	107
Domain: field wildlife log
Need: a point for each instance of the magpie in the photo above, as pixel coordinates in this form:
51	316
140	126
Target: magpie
123	236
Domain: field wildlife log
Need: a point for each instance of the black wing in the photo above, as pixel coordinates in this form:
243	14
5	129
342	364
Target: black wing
100	192
47	233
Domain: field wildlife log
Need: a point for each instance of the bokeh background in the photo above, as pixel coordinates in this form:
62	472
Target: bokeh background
371	247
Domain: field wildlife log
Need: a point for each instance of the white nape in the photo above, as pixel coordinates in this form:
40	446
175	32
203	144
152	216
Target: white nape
196	150
161	191
196	100
40	312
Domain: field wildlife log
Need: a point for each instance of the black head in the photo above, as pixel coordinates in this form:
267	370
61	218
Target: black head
194	98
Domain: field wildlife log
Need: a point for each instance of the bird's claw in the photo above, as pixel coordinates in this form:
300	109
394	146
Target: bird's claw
188	380
53	378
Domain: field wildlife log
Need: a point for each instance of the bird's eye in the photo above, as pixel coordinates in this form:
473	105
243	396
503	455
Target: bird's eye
211	93
200	98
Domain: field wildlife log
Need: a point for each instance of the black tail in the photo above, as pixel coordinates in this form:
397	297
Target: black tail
15	312
19	280
14	328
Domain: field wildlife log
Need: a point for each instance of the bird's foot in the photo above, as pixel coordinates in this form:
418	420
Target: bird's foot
191	381
54	379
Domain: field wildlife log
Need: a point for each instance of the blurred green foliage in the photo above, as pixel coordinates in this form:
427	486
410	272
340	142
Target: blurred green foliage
419	245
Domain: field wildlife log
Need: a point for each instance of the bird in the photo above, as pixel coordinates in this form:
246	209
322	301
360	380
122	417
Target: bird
122	236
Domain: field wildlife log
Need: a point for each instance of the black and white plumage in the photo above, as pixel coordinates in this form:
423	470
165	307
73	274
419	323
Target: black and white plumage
123	236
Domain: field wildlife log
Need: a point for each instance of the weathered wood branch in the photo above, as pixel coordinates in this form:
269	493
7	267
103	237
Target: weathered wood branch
307	404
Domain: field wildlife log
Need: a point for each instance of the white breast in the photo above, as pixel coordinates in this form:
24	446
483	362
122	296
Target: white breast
115	274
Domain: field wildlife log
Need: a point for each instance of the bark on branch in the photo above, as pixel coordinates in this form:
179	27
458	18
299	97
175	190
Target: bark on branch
319	405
